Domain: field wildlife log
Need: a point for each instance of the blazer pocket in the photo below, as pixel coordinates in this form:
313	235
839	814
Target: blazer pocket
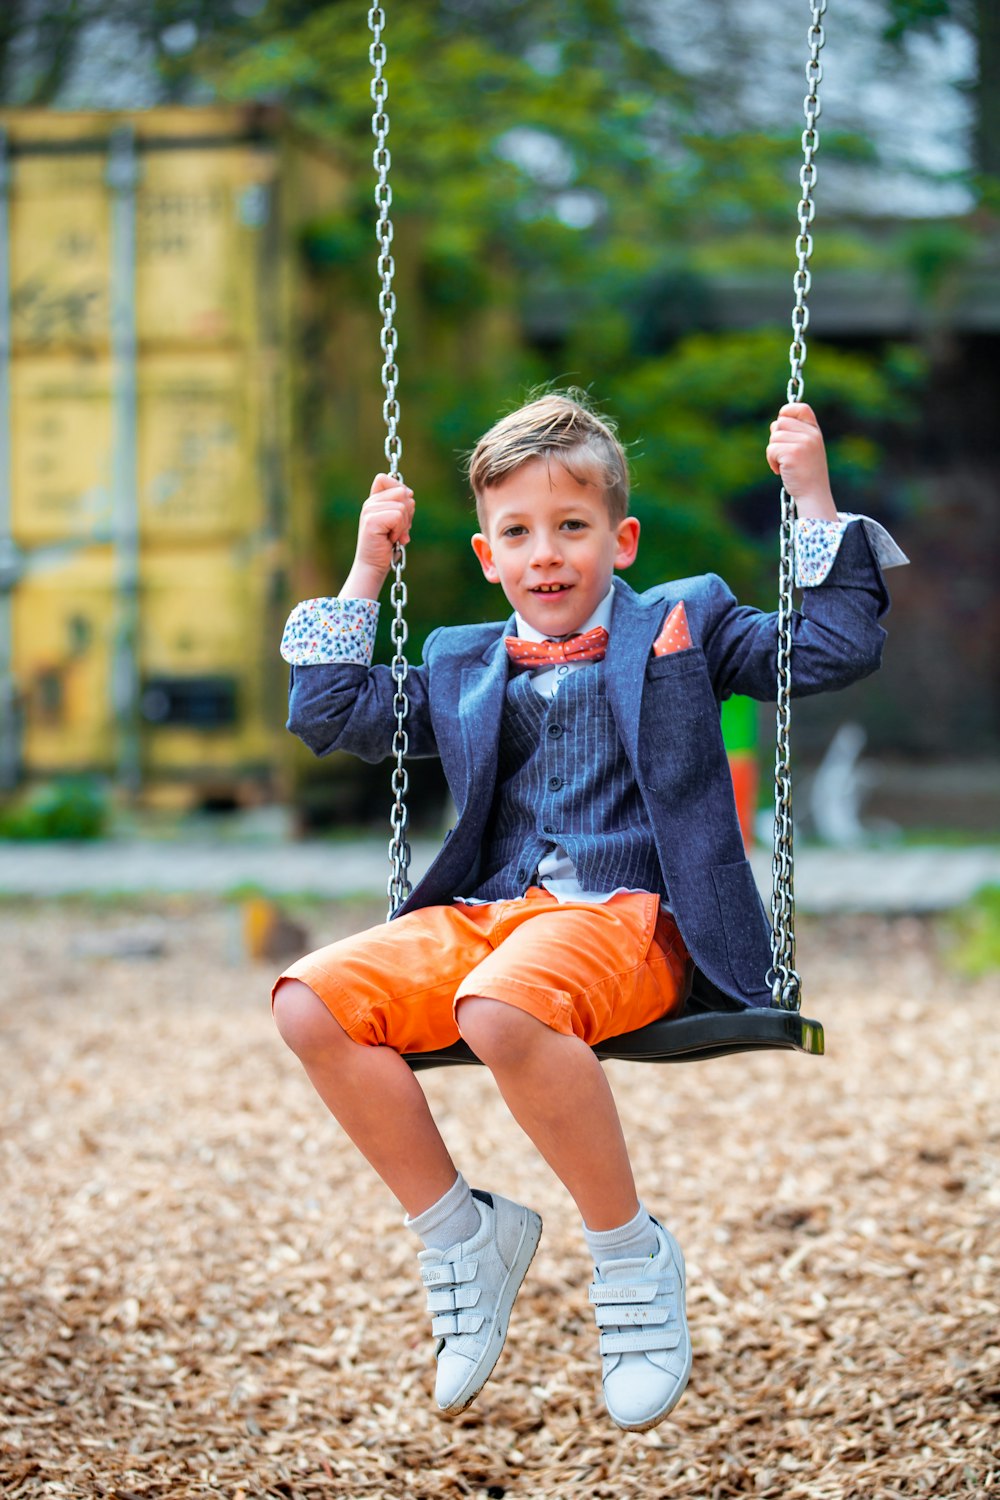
743	924
675	662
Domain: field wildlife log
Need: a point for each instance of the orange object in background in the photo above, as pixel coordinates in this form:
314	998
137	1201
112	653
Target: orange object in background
739	732
746	779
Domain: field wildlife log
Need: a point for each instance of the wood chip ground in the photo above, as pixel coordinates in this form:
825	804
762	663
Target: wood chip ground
204	1291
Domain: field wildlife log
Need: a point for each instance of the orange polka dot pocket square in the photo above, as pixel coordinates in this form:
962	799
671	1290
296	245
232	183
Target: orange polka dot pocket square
674	634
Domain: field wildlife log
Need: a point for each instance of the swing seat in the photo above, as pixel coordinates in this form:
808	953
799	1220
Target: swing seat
700	1031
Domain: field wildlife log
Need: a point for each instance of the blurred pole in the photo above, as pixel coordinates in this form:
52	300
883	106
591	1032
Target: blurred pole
10	751
122	177
987	88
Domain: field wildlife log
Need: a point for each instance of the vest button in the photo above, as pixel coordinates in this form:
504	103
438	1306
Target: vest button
555	782
522	875
555	730
547	828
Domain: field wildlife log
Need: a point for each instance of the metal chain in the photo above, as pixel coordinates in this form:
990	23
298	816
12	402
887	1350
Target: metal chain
786	986
398	886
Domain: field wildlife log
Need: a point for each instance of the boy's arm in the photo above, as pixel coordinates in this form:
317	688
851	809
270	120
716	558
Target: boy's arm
336	699
348	706
836	638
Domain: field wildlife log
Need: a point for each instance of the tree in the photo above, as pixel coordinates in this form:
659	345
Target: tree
548	173
42	42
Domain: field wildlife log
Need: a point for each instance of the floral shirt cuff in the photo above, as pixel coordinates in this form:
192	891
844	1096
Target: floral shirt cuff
817	543
319	631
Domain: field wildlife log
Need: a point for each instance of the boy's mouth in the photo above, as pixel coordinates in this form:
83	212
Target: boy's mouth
549	588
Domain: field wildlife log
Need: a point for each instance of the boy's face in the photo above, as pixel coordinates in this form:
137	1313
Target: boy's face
550	543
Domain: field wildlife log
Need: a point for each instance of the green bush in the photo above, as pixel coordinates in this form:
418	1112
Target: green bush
70	808
975	930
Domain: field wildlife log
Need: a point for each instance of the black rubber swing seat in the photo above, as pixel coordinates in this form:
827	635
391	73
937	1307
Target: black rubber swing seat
698	1032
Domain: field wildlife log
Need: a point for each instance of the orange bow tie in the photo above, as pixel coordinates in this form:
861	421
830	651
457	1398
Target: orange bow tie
591	646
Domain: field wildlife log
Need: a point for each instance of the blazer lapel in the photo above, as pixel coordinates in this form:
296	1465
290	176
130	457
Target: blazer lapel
635	623
484	688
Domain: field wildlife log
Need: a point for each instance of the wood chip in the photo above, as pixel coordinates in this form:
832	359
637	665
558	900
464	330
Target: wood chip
204	1290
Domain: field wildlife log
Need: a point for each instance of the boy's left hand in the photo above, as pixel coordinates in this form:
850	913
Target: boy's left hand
796	452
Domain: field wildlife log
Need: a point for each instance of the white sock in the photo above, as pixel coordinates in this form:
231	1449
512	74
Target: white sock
635	1240
449	1221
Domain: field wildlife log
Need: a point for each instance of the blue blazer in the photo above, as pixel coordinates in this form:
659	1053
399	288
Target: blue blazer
667	712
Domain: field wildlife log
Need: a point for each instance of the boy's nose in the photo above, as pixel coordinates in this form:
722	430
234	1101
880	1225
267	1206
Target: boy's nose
546	551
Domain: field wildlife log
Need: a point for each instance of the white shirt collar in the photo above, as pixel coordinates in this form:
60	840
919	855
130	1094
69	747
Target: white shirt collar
601	616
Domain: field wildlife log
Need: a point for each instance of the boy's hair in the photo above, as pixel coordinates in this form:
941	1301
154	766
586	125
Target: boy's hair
558	426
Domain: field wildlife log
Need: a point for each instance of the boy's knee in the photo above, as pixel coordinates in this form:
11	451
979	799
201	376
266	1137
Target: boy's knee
500	1035
303	1021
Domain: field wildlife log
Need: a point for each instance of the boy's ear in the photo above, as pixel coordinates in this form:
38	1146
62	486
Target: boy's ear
484	552
628	542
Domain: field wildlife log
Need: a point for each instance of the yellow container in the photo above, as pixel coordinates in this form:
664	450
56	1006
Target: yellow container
153	519
198	434
62	624
61	444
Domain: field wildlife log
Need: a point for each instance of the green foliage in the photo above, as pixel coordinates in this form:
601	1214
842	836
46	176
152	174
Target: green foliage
987	190
70	808
975	934
933	253
562	217
702	410
912	15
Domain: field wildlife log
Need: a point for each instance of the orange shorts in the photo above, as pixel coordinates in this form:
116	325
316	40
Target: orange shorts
587	969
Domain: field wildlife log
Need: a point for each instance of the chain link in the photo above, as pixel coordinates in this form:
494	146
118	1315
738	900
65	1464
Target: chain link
786	985
398	886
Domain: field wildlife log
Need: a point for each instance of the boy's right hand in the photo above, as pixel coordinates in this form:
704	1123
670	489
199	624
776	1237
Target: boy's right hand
385	520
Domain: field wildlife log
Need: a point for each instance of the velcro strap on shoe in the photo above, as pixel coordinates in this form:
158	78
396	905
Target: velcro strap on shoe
453	1322
634	1291
616	1317
448	1272
641	1339
449	1301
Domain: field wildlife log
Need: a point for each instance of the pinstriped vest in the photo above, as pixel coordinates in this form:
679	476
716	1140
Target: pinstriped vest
563	778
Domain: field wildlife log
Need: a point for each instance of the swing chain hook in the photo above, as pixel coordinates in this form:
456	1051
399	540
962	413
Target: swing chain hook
785	983
398	886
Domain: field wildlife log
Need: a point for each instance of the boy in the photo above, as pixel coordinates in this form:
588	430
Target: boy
596	857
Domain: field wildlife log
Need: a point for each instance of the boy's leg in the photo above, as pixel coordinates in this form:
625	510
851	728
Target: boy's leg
557	1091
560	978
348	1010
372	1094
396	985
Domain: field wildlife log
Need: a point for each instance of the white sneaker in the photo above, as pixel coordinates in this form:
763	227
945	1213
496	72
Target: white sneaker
471	1290
645	1344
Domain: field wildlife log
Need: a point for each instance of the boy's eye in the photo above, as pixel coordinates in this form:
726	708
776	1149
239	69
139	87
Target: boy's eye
514	530
572	525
